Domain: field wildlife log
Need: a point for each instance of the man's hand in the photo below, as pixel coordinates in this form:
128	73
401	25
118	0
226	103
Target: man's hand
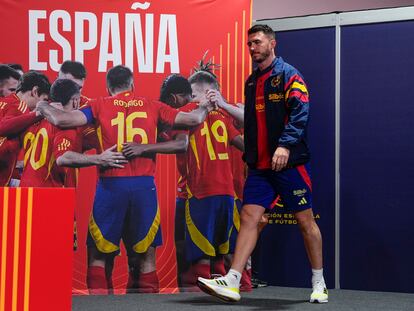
132	150
207	104
111	158
215	97
280	158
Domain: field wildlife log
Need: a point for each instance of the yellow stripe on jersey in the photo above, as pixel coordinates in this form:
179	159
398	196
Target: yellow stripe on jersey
103	245
194	148
196	236
100	139
142	246
50	166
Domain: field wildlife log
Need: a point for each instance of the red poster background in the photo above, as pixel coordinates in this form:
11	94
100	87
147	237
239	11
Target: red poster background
217	26
31	273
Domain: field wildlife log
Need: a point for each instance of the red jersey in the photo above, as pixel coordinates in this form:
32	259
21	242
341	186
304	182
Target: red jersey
209	166
181	159
10	106
43	143
238	169
127	117
264	157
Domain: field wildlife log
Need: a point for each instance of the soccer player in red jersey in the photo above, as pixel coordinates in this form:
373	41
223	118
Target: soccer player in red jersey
176	92
125	201
16	115
9	79
76	72
51	153
209	212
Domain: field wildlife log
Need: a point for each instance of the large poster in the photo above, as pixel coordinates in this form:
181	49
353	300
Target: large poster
154	39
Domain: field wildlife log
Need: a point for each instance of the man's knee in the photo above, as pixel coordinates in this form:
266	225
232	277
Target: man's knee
306	222
251	214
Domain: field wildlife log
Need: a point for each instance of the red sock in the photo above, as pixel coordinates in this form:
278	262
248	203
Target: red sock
246	281
218	267
189	278
96	280
148	283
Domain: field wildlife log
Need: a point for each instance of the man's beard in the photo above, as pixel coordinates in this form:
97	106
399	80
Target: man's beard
263	57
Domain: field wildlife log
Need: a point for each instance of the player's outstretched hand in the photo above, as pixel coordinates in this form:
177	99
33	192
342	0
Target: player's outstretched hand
111	158
280	158
132	150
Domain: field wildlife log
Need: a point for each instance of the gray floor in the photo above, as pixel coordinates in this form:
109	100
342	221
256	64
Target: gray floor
269	298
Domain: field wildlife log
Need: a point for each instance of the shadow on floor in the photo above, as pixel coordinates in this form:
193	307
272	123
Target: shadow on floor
258	304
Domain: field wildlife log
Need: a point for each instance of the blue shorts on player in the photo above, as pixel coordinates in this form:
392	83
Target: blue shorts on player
209	222
125	207
293	184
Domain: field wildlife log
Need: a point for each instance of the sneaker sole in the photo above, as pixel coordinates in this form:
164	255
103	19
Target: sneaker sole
318	301
208	290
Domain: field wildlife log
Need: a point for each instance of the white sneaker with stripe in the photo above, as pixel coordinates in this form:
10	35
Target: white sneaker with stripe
221	287
319	293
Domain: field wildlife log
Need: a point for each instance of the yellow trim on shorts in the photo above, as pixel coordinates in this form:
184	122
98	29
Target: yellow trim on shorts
103	245
196	236
143	245
236	217
225	247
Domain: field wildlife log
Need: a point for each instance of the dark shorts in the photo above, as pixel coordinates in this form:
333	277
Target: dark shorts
209	223
179	233
294	186
125	207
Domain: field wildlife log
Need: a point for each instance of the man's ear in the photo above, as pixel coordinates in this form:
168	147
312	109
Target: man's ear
174	99
35	91
273	43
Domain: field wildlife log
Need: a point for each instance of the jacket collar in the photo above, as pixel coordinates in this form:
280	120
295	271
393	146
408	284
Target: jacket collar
276	66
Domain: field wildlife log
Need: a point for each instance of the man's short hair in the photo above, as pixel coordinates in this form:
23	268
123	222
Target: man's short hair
268	31
16	66
7	72
119	78
174	84
204	76
76	69
31	79
62	91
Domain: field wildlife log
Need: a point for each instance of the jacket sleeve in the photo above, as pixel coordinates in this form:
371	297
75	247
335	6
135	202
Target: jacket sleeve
297	103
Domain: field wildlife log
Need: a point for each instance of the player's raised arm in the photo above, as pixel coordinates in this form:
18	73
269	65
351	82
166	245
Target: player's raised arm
195	117
61	118
178	145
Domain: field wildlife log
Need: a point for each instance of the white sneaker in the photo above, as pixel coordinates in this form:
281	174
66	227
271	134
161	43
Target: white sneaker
319	293
220	287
